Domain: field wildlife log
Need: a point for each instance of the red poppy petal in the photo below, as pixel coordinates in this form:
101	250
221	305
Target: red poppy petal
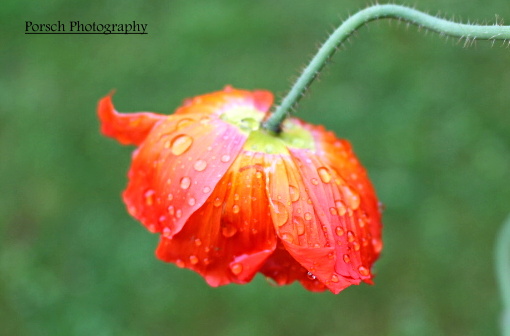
283	269
128	129
227	239
344	211
184	157
175	170
305	236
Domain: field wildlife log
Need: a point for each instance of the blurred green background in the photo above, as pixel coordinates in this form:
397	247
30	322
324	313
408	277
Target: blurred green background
427	117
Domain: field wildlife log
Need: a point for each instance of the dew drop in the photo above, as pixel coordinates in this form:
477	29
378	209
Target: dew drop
225	158
300	225
235	208
170	197
236	268
288	237
281	216
200	165
236	197
185	182
363	271
377	245
191	201
258	174
315	181
334	278
310	276
217	202
193	259
308	216
180	263
183	123
198	242
171	210
324	174
206	190
351	198
249	124
333	211
340	207
294	193
356	246
178	213
347	259
149	197
207	261
350	236
228	230
181	144
167	232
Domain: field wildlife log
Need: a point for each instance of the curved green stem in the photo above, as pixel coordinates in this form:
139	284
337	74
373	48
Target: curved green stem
503	273
444	27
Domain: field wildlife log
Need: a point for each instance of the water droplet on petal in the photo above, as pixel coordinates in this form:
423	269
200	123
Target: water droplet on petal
258	174
170	197
311	276
249	124
191	201
347	259
180	263
193	260
340	207
294	193
315	181
178	213
377	245
333	211
324	174
171	210
149	197
198	242
308	216
334	278
181	144
350	236
206	190
236	268
228	230
183	123
200	165
288	237
363	271
281	216
356	246
236	197
167	232
351	198
217	202
225	158
235	208
300	225
185	182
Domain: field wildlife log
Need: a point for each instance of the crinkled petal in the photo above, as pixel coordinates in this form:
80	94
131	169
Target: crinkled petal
228	239
301	225
127	128
283	269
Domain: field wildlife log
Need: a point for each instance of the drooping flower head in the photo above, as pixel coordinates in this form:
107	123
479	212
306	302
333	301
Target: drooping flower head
230	199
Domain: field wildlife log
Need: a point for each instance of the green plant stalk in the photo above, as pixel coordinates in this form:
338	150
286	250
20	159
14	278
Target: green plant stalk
503	273
353	23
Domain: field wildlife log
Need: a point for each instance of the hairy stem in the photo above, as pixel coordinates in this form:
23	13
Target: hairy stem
503	273
444	27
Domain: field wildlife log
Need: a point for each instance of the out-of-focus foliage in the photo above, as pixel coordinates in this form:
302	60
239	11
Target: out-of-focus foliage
428	118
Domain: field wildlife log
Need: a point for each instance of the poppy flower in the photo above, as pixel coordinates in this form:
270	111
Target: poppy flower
230	199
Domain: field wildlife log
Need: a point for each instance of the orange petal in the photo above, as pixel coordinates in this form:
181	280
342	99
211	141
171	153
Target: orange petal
129	128
182	159
228	238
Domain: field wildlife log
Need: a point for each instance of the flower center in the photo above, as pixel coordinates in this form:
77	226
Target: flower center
248	121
